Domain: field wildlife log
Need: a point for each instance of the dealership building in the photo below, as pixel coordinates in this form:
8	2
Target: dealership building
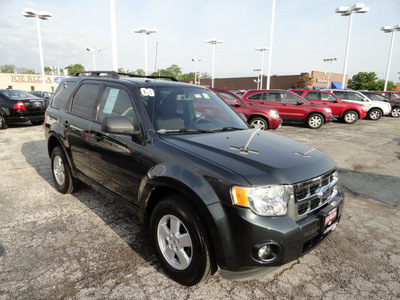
33	82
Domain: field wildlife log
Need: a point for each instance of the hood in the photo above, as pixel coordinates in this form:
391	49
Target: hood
260	157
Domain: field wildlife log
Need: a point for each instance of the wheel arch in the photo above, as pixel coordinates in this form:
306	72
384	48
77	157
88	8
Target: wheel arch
316	112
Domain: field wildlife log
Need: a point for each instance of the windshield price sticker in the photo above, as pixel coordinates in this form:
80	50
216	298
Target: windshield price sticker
147	92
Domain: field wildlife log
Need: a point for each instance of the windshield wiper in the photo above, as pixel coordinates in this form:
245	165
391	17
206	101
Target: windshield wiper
227	129
184	130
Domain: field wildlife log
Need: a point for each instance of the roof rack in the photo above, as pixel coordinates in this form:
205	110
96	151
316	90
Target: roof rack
115	75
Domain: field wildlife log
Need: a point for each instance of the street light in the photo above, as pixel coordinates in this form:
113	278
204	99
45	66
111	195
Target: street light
146	33
196	61
259	70
331	61
271	37
213	42
93	52
262	50
114	36
388	29
349	11
42	15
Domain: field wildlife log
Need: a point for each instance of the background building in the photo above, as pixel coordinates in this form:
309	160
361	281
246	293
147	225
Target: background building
28	82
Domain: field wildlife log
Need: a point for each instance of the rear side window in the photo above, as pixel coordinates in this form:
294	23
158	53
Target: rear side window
328	97
312	96
62	94
85	100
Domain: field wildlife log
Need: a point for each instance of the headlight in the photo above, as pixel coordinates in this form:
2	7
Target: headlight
275	114
364	108
327	109
269	200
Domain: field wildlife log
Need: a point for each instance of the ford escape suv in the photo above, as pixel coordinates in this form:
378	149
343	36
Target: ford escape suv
213	193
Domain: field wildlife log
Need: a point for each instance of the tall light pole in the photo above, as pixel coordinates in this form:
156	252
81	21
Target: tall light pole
146	33
258	81
391	29
114	36
331	61
213	42
349	11
93	52
42	15
271	38
262	50
196	61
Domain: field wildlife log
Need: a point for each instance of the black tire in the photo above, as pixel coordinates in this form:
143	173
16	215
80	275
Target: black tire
315	121
183	251
350	117
259	122
374	114
40	122
395	113
3	124
61	172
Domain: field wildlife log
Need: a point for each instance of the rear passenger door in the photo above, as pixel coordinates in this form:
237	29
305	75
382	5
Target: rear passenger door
115	158
77	124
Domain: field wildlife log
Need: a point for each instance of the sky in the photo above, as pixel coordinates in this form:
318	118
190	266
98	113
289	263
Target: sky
305	33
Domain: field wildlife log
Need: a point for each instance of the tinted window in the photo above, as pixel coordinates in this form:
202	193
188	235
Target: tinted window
272	97
85	100
116	102
62	94
255	97
354	96
328	97
312	96
297	92
340	94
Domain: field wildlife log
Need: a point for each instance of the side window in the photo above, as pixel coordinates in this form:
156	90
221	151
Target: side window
116	102
255	96
312	96
354	96
84	100
327	97
340	94
62	94
272	97
289	98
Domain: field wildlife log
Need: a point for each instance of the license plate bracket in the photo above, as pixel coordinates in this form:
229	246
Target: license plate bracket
328	217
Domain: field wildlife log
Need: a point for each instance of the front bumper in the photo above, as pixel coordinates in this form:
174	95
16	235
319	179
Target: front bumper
246	232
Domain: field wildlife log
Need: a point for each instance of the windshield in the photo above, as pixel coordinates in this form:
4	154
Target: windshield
182	109
16	94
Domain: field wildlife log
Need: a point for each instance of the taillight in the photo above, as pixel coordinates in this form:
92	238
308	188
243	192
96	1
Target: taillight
20	105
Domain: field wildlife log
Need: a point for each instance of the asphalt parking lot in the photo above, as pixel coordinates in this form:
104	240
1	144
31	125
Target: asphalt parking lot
82	246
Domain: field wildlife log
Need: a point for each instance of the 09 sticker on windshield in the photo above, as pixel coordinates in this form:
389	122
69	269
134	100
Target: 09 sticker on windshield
147	92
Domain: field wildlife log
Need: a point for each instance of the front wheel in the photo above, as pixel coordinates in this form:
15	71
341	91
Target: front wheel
315	121
395	112
350	117
180	241
374	114
259	123
61	172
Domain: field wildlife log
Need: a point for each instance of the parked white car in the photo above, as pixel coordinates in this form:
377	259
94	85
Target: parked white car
375	109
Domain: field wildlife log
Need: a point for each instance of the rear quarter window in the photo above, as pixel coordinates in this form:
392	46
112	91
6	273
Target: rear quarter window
84	102
62	94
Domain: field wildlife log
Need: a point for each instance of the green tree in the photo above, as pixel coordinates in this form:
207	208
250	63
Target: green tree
363	81
304	82
23	70
72	69
380	84
187	76
7	69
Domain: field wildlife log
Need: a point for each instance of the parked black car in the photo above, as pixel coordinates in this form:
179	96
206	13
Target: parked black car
42	94
212	192
18	106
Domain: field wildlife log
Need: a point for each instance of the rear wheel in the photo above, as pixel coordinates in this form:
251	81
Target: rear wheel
3	124
61	172
259	123
350	117
315	121
395	112
374	114
181	241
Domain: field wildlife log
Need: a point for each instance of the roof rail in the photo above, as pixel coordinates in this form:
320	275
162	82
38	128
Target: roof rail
115	75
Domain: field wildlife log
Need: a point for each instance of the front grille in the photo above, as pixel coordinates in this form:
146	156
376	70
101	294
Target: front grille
313	194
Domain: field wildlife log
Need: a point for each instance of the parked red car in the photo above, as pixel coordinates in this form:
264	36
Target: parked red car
257	116
346	111
392	95
291	107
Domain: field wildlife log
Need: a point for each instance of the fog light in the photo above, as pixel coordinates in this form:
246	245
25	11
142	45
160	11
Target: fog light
267	252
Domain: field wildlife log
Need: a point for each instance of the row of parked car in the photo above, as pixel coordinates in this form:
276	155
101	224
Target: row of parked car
267	109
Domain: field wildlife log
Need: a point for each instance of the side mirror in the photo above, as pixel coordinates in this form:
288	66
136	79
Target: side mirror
299	102
236	103
119	125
